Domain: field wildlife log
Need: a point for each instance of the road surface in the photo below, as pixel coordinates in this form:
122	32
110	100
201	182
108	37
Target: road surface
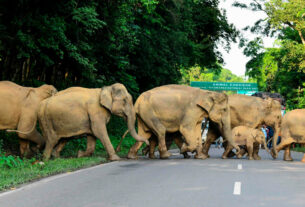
174	182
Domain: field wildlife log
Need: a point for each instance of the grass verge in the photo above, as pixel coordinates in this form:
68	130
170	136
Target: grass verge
298	149
26	172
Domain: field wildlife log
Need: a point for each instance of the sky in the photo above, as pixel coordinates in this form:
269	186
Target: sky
235	60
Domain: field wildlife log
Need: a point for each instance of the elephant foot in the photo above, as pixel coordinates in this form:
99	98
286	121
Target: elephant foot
239	156
186	156
201	156
114	157
132	155
250	158
288	158
165	154
152	156
224	157
257	157
273	154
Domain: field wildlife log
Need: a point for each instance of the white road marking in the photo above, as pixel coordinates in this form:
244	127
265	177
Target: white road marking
237	188
239	167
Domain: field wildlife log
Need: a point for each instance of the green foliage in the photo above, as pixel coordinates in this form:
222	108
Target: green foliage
281	69
198	74
11	177
139	43
10	161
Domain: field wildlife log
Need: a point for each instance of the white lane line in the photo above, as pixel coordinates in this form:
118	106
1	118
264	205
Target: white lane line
239	167
237	188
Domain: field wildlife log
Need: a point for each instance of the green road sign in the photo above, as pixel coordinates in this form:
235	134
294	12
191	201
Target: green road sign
225	86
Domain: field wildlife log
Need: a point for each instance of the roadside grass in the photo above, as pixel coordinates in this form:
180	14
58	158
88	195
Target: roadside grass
15	171
298	149
27	171
23	171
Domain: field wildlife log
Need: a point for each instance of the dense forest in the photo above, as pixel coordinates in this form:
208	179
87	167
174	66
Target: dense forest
140	43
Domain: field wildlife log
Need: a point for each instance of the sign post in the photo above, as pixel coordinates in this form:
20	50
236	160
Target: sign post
241	88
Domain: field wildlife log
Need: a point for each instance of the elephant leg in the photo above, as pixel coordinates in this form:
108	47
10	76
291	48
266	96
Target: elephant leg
91	142
60	146
287	155
179	142
132	154
152	146
211	137
250	150
164	153
100	131
50	143
227	151
193	140
255	151
285	142
24	147
160	131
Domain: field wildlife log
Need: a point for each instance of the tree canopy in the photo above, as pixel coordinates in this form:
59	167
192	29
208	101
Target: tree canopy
140	43
279	69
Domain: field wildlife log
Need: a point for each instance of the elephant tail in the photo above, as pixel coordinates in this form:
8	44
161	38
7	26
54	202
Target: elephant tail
22	132
118	148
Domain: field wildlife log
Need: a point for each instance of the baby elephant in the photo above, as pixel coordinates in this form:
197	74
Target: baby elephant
247	136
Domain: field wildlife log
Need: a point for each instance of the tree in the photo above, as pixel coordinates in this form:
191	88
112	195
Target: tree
279	69
198	74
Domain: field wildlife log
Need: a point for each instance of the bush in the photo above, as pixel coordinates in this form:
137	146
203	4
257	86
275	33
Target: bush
10	161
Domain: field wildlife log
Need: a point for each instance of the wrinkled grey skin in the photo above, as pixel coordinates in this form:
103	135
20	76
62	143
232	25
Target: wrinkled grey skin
177	108
78	111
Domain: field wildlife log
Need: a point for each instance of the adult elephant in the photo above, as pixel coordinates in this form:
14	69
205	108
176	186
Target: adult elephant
18	109
77	111
248	111
178	108
292	131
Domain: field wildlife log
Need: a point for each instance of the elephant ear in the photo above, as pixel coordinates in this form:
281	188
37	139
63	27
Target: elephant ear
106	97
206	101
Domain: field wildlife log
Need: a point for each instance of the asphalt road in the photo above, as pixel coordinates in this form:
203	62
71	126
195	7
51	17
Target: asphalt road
173	182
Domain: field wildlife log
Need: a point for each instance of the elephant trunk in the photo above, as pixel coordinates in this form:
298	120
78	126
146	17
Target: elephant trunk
131	119
275	138
227	132
265	145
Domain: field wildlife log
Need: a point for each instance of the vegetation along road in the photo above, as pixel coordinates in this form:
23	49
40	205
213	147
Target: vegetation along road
173	182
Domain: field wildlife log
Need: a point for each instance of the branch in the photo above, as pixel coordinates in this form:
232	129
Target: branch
299	31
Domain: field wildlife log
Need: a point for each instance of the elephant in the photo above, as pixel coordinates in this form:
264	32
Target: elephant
179	108
248	111
247	136
81	111
292	131
18	109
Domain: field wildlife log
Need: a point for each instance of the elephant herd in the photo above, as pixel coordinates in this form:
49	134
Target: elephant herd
164	114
